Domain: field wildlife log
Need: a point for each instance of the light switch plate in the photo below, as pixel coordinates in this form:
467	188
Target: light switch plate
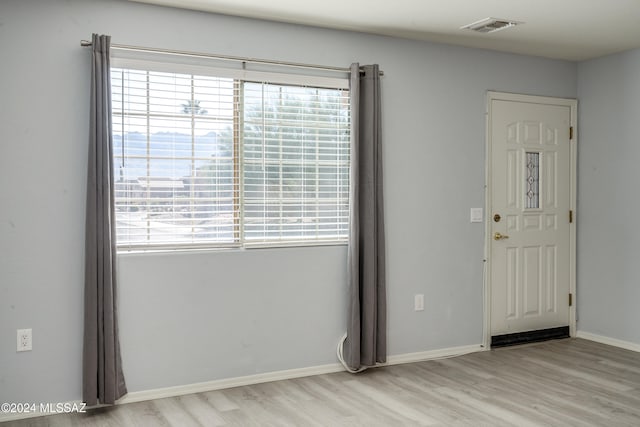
476	215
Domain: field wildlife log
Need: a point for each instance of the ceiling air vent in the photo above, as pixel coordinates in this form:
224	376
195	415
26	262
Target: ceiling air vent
489	25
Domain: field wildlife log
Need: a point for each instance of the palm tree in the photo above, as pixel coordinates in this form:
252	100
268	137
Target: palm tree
193	107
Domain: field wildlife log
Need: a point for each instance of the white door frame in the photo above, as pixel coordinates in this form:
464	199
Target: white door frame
573	105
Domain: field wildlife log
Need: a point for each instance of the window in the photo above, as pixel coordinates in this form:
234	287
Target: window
217	161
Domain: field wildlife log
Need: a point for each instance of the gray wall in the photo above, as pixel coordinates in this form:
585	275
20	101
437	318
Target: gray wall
608	237
188	318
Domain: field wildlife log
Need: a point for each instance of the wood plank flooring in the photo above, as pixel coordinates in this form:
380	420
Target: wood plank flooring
570	382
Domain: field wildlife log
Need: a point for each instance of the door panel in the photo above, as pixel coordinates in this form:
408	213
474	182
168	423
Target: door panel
531	189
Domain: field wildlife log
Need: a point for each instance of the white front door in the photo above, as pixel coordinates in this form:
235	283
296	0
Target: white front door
529	219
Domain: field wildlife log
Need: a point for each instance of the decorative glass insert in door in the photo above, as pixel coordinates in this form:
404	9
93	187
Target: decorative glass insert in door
532	193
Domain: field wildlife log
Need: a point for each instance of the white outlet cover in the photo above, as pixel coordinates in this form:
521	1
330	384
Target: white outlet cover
24	340
476	215
418	302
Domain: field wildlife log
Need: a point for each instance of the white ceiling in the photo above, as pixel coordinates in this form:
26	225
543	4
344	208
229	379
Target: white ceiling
565	29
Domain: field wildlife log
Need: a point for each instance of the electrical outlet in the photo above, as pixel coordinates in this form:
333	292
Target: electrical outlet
418	302
25	342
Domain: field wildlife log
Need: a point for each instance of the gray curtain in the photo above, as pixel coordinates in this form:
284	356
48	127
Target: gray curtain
102	377
366	342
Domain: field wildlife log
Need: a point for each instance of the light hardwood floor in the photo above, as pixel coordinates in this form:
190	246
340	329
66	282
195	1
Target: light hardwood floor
569	382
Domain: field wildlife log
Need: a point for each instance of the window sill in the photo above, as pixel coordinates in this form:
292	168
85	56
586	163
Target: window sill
210	249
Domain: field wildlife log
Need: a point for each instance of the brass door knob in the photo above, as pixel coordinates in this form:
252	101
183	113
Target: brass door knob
499	236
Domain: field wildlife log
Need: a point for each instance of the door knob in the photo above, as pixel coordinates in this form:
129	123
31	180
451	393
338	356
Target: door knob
499	236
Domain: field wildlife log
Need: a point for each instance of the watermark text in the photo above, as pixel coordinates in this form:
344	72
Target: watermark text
44	408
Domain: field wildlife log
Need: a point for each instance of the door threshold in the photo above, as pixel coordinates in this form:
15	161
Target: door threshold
529	337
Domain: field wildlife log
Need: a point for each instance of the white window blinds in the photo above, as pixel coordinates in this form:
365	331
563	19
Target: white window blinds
211	161
296	163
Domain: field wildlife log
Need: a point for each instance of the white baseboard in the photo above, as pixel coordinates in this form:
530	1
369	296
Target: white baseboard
160	393
139	396
433	354
609	341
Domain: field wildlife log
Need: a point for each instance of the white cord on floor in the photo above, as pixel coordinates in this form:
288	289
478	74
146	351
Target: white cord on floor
340	354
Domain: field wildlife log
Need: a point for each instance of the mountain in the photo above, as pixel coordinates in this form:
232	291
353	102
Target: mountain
170	153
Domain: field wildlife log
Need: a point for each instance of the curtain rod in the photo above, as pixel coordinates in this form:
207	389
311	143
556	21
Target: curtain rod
86	43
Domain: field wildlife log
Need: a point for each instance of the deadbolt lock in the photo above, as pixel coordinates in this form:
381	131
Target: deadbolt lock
496	217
